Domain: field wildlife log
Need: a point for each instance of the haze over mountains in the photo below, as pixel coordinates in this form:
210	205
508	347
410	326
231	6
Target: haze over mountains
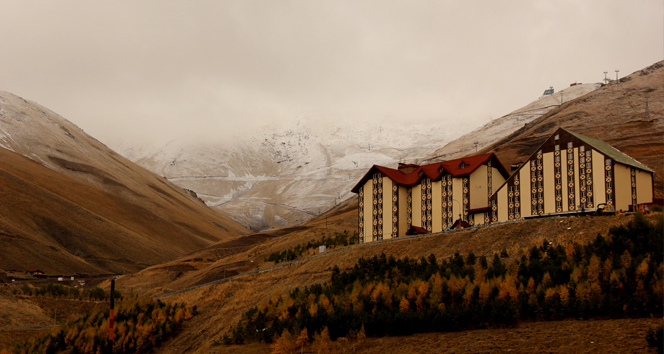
612	112
72	205
288	174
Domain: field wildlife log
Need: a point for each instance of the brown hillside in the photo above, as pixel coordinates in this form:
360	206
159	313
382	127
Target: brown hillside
614	113
61	225
221	304
69	205
618	110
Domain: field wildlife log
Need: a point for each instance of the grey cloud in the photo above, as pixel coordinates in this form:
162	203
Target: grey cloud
155	69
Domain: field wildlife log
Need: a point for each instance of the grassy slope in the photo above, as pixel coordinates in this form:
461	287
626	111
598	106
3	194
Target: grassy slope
222	304
614	114
69	204
618	110
64	225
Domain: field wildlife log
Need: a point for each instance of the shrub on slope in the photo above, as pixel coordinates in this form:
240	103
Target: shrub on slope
618	275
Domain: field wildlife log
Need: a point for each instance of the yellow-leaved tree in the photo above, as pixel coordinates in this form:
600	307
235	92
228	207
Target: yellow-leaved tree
283	344
302	339
323	341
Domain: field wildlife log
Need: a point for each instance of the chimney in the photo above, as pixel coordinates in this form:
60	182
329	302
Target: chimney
407	168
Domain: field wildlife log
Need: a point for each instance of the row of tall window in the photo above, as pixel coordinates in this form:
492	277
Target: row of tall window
395	211
409	206
608	180
426	204
360	215
585	178
632	172
377	207
466	201
448	202
514	198
537	185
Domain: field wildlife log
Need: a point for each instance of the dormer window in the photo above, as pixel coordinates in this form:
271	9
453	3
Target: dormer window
463	165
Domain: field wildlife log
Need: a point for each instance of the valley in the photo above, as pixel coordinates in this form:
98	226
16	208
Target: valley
88	210
285	175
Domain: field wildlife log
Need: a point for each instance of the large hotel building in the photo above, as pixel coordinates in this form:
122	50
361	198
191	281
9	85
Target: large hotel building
568	173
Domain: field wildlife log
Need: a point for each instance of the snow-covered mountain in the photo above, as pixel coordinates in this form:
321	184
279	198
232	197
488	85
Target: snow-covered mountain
287	175
507	124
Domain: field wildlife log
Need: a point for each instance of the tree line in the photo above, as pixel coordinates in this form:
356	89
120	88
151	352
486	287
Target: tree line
58	290
140	326
337	239
620	275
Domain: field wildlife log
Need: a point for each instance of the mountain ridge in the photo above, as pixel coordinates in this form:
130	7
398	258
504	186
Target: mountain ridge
71	205
289	174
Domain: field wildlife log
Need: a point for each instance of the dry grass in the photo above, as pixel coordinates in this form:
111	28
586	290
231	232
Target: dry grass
222	305
63	225
17	312
614	114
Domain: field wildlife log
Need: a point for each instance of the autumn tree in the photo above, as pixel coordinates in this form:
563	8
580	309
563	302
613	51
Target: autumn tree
302	339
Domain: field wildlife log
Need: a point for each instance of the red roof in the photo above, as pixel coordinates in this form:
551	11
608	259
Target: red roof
460	224
416	230
456	168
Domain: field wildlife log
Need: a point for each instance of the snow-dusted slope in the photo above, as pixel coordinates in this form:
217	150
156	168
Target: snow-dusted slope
69	204
285	176
503	126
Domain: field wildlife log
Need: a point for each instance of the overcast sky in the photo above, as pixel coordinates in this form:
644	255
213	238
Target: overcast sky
159	69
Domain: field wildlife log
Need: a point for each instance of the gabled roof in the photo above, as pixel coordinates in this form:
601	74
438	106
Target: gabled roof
468	165
609	151
406	179
456	168
460	224
597	144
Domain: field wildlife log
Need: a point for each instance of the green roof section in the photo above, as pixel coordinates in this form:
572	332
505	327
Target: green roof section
610	151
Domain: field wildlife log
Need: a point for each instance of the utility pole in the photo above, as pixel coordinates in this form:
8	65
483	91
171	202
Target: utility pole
110	321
